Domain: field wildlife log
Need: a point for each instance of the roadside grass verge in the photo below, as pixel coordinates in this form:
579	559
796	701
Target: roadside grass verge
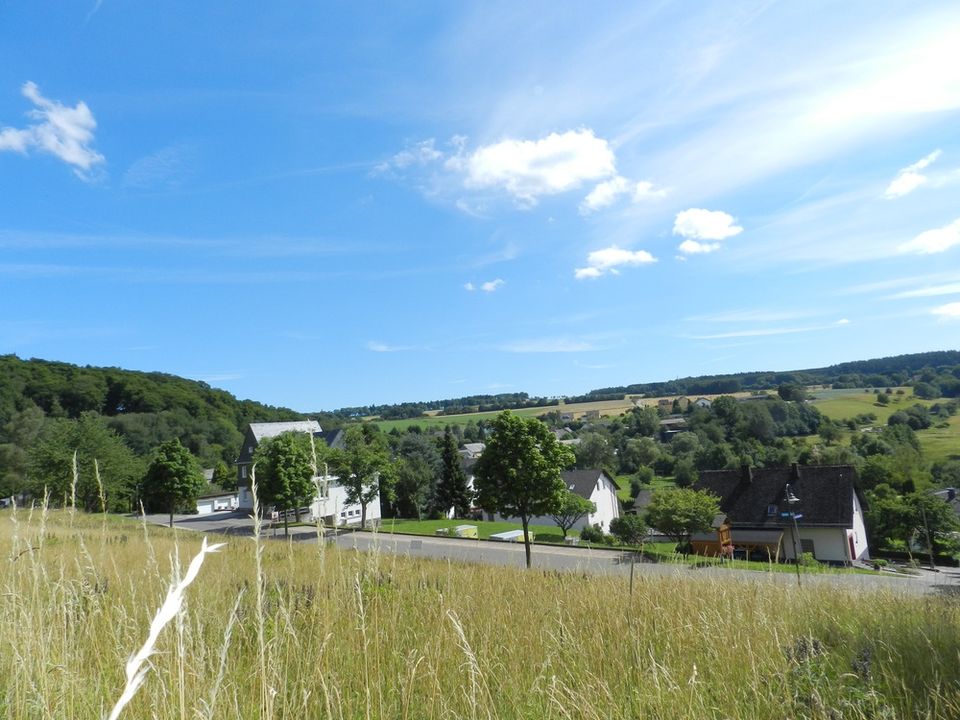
365	635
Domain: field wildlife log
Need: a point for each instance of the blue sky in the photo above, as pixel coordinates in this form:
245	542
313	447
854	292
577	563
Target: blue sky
320	205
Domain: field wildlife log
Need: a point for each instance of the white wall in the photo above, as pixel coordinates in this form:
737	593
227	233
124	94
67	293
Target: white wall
608	506
859	531
336	507
828	543
333	505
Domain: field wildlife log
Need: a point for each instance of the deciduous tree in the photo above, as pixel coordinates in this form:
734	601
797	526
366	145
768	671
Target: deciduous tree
285	473
572	509
173	481
363	466
680	512
518	474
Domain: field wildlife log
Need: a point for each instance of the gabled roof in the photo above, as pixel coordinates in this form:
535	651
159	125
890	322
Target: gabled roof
256	432
334	438
825	493
582	482
272	429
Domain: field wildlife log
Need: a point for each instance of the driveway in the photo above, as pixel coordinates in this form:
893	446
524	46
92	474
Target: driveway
547	557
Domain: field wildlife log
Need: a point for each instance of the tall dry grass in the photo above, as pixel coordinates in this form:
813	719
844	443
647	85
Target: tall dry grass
339	634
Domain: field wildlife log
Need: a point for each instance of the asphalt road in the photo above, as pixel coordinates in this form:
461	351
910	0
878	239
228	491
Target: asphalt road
546	557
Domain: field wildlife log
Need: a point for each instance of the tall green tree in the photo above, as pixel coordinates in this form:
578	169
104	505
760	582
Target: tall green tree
414	486
51	464
518	474
285	473
173	481
363	467
678	513
453	489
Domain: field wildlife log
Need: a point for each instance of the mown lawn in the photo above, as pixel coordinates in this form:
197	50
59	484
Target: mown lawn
485	528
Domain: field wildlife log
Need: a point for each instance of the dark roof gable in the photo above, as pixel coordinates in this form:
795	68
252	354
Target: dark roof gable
582	482
748	496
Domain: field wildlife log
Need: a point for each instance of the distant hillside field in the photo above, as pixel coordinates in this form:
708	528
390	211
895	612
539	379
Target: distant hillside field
938	443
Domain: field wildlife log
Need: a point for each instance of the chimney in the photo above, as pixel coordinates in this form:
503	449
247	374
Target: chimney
795	472
746	474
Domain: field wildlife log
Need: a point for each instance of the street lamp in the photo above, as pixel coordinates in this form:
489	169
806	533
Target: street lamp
791	500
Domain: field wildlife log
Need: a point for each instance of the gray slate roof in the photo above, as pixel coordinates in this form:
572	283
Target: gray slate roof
826	494
272	429
582	482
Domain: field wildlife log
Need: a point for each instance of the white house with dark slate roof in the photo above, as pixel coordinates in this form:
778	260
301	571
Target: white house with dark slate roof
331	506
760	504
593	485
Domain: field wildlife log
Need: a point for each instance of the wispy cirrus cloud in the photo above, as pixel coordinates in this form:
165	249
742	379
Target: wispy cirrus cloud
381	347
65	132
930	291
910	177
609	260
950	311
767	332
164	167
934	241
489	286
548	345
757	316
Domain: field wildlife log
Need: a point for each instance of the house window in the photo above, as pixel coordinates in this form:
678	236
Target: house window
806	546
343	514
771	510
243	471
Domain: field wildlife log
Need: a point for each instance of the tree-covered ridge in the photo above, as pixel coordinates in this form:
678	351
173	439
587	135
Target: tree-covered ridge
942	367
452	406
145	409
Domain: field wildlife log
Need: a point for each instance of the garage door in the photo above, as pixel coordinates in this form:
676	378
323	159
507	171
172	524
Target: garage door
204	507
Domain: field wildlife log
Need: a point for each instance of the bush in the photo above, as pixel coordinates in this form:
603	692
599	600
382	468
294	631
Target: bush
808	560
629	529
593	534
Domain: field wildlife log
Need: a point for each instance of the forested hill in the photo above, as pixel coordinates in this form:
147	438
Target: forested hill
145	408
880	372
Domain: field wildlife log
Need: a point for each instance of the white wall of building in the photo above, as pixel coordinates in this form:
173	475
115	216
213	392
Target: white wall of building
333	508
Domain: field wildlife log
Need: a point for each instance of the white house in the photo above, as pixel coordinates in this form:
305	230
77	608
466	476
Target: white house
330	504
761	505
593	485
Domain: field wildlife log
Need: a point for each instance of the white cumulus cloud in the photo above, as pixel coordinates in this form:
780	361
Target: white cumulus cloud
529	169
697	224
693	247
910	177
644	190
610	191
610	259
934	241
605	194
419	153
61	131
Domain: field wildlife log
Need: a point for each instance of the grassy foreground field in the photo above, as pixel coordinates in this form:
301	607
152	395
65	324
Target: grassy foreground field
337	634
